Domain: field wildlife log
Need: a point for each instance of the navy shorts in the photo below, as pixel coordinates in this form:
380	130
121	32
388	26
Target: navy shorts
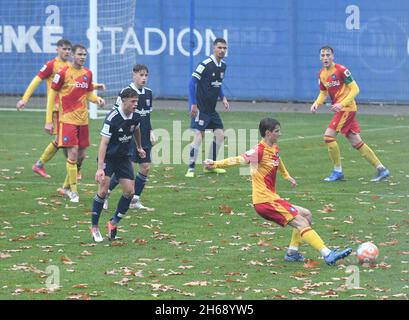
137	159
122	167
205	121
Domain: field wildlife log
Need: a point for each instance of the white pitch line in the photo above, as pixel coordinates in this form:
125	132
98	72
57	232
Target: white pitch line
192	188
281	140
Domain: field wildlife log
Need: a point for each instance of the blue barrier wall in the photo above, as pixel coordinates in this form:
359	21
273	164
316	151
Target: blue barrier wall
273	45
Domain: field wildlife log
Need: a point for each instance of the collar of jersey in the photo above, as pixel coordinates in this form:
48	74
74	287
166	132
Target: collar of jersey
266	145
331	68
215	61
132	85
124	116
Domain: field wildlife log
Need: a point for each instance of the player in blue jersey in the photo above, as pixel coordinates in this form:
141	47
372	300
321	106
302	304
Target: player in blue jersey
121	129
205	88
148	139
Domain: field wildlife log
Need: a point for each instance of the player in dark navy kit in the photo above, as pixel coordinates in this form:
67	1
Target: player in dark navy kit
148	139
205	88
121	129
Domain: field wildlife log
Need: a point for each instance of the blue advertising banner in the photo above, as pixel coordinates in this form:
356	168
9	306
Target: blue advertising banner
273	46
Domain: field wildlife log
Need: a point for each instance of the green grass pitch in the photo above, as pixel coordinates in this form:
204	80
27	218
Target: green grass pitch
204	240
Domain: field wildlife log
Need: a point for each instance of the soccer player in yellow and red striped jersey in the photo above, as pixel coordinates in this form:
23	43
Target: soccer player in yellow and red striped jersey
336	81
47	73
265	161
74	87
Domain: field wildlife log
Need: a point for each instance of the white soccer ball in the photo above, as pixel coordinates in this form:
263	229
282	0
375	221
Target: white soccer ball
367	253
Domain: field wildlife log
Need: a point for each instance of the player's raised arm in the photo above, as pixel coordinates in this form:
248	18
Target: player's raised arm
29	91
228	162
252	156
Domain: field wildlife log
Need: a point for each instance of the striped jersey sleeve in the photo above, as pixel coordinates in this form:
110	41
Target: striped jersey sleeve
200	68
107	127
47	70
254	155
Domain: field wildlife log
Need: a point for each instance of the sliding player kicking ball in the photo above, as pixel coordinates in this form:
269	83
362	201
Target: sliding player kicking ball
264	160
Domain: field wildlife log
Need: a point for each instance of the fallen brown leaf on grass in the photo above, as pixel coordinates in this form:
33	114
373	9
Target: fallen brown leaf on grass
383	265
118	243
80	286
329	294
141	242
172	273
41	203
123	281
300	274
111	272
24	267
310	264
82	222
80	296
45	290
196	283
327	208
263	243
66	260
23	238
295	290
40	234
388	243
92	244
225	209
177	243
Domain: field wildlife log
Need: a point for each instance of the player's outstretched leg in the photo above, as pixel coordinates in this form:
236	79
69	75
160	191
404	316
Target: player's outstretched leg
140	182
292	254
111	230
382	173
334	176
370	156
47	155
193	153
335	156
96	213
112	185
311	237
336	255
122	208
